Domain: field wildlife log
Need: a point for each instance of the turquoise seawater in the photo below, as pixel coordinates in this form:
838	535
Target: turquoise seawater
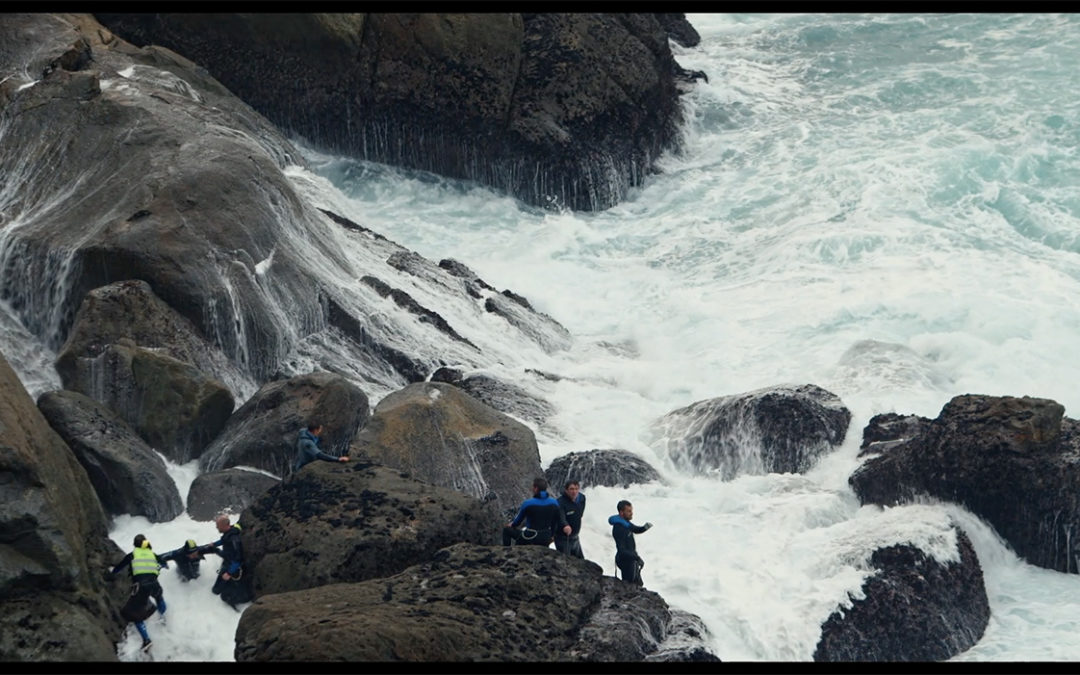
885	205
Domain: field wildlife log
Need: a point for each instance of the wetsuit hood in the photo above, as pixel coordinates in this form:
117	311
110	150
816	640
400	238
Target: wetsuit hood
618	520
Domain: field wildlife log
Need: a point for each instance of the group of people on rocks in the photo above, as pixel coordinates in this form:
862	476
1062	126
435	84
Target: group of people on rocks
144	566
543	520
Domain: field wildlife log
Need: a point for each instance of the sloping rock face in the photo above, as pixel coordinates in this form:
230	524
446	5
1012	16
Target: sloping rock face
126	474
1015	462
130	310
469	603
441	435
613	468
228	491
54	605
502	396
334	523
781	429
172	405
263	432
914	609
557	109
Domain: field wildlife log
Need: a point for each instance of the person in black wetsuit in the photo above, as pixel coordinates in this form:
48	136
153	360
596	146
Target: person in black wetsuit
541	517
143	565
187	558
572	503
626	557
232	584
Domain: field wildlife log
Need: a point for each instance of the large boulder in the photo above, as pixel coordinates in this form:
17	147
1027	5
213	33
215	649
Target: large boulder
441	435
125	472
263	432
54	605
228	491
913	608
468	603
613	468
334	523
888	430
130	309
782	429
558	109
172	405
1009	460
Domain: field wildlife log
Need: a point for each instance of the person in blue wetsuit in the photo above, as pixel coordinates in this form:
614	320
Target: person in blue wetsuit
187	558
626	557
541	517
143	565
307	447
572	503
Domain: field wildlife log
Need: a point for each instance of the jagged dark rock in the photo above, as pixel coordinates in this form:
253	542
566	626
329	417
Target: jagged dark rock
915	609
889	430
127	475
228	491
468	603
54	604
785	429
558	109
441	435
502	396
613	468
335	523
262	433
1011	461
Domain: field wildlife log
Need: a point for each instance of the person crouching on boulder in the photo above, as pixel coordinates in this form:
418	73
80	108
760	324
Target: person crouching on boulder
626	557
143	565
232	585
307	447
541	515
188	557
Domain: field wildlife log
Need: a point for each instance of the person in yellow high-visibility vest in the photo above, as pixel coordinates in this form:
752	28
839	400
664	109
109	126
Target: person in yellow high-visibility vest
143	565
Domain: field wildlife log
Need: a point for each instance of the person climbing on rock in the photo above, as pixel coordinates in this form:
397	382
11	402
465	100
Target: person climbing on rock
540	515
307	447
626	557
143	565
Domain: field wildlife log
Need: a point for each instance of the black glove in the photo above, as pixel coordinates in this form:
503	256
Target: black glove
647	525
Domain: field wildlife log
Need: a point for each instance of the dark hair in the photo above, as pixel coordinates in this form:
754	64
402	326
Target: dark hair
312	426
571	482
540	483
139	539
622	503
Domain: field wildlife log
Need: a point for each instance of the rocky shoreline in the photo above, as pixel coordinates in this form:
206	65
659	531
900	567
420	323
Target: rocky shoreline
186	275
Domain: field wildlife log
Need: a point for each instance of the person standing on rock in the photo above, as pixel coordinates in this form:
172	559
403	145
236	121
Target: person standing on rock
626	557
541	517
572	503
232	585
143	565
307	447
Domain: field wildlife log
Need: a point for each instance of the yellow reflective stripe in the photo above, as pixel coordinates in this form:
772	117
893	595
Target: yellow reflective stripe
143	561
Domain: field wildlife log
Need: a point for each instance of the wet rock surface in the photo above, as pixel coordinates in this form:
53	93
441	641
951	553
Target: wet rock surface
613	468
127	475
469	603
334	523
915	609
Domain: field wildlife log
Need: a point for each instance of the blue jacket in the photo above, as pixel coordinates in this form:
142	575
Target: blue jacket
307	450
540	513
